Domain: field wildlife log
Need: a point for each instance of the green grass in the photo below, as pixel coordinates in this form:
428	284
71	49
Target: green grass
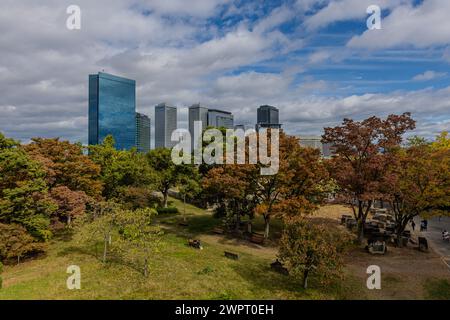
177	272
437	289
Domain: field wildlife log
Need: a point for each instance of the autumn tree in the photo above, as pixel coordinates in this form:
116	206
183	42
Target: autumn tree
363	151
66	165
417	182
308	248
301	177
16	243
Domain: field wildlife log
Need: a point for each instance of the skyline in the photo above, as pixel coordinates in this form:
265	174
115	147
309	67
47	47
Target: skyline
313	61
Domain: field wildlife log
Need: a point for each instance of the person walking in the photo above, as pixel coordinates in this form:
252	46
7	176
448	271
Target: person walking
413	225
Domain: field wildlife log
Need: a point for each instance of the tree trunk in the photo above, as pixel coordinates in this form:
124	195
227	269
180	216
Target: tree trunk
267	226
145	268
305	279
184	208
165	195
105	249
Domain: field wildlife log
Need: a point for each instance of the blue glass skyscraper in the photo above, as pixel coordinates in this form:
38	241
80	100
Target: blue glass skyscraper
112	110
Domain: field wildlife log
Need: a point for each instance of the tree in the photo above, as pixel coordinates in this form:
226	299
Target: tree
242	190
189	188
66	165
120	168
16	243
139	240
417	183
23	191
1	279
307	248
167	174
71	204
363	152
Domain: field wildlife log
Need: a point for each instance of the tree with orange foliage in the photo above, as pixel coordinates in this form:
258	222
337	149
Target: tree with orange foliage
363	152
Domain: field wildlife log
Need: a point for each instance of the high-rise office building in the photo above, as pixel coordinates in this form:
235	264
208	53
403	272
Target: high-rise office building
197	113
219	119
326	149
112	108
143	133
165	124
268	117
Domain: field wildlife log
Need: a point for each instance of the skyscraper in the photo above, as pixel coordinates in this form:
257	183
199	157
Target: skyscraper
142	133
112	107
197	113
267	117
219	118
165	124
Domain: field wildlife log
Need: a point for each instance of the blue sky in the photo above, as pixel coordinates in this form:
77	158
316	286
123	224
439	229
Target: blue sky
313	59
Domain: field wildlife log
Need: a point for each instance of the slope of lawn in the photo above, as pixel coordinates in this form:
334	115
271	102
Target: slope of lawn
177	272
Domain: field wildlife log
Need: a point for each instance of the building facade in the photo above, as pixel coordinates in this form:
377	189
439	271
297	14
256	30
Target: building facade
143	133
165	124
219	119
197	113
112	107
268	117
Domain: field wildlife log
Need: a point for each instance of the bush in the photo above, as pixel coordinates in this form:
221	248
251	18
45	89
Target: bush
168	210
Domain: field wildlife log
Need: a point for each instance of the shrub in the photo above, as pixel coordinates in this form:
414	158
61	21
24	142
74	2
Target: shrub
168	210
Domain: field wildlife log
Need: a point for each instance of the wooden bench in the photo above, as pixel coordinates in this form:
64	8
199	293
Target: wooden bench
257	238
231	255
218	230
277	266
195	243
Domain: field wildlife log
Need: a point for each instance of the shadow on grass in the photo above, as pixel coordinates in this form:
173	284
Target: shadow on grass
262	276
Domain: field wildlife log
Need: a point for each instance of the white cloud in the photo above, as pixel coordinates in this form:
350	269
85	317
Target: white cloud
343	10
420	26
429	75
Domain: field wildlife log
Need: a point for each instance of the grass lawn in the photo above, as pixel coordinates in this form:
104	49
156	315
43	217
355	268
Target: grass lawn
177	272
181	272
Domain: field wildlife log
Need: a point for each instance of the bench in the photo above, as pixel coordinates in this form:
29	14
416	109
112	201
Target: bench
231	255
218	230
195	244
277	266
257	238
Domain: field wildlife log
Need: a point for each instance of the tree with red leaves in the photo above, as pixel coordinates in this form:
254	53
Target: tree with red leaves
363	152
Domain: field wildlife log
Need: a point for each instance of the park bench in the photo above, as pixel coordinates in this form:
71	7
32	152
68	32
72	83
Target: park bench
344	218
277	266
377	247
231	255
218	230
257	238
195	244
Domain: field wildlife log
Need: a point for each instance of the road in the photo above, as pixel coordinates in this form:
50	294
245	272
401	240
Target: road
434	235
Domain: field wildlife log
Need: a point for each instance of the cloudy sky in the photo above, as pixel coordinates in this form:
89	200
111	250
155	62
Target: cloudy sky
313	59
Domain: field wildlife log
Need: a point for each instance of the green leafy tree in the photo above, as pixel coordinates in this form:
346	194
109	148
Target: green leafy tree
24	198
120	168
307	248
139	240
167	174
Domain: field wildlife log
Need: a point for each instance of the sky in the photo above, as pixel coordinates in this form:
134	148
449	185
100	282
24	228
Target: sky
315	60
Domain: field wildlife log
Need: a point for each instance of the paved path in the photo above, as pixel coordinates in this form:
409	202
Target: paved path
434	235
